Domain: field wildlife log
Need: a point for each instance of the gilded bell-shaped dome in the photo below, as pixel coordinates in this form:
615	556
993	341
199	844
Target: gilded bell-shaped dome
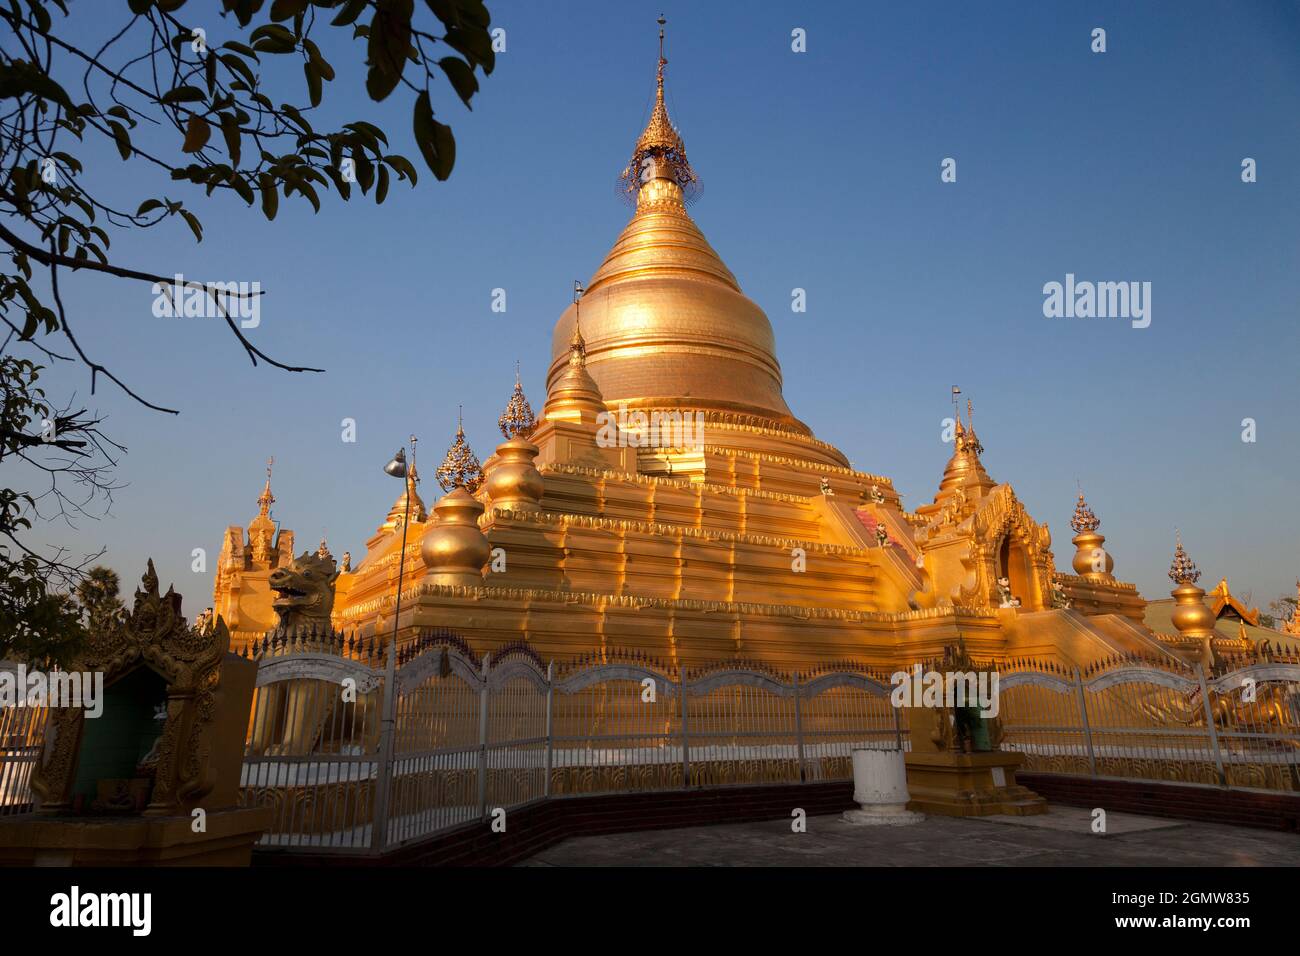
664	321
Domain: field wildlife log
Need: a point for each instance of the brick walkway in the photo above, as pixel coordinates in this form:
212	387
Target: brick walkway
1061	837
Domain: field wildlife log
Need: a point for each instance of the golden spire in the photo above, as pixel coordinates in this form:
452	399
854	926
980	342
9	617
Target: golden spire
266	499
577	344
408	503
261	530
517	421
964	468
461	468
660	153
1083	520
574	396
972	442
1183	570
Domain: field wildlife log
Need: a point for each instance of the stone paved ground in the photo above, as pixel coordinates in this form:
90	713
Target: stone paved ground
1061	837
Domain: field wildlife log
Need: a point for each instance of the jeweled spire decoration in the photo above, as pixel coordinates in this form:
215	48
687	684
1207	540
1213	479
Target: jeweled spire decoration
577	344
1083	519
518	420
660	152
461	468
1183	570
972	443
266	499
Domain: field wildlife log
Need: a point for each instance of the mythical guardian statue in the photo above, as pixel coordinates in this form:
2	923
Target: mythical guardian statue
305	591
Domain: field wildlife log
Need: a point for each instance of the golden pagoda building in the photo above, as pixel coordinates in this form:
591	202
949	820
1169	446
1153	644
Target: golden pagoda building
668	500
241	593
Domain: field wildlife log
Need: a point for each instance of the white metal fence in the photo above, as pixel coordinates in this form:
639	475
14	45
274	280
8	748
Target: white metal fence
349	766
1238	726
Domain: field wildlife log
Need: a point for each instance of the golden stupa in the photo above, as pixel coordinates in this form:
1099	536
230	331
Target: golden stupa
667	500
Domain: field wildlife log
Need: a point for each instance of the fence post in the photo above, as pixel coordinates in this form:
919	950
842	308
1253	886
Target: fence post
1083	720
550	727
384	775
686	739
1209	725
798	727
483	739
898	723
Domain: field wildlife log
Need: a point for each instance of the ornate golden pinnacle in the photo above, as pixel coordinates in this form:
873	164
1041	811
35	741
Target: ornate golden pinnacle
1084	519
461	468
660	151
1183	570
266	499
518	420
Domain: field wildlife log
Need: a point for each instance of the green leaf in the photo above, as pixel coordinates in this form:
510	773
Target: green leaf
322	64
313	81
230	130
192	221
285	9
122	138
149	205
403	167
271	31
461	76
240	48
435	140
381	188
474	45
351	10
120	112
197	133
270	199
386	52
240	185
183	94
18	78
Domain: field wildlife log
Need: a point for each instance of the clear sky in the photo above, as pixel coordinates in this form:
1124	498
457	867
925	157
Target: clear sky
821	171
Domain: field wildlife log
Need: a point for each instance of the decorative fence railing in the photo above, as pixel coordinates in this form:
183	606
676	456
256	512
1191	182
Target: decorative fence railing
349	765
358	752
1239	726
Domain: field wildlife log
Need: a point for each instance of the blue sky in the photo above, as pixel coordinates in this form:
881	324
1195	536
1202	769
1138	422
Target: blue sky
821	171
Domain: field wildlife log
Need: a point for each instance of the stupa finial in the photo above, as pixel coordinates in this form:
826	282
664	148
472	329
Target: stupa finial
1084	520
660	153
518	420
1183	570
266	499
973	444
577	344
460	468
